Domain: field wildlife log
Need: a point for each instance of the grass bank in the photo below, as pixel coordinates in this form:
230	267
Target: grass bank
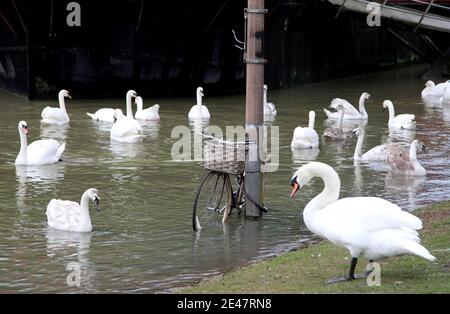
306	270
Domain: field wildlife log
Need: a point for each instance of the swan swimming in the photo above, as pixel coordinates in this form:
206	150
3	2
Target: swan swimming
402	121
199	111
51	115
269	107
369	226
402	162
107	114
148	114
433	90
377	153
336	133
71	216
40	152
126	130
350	112
306	137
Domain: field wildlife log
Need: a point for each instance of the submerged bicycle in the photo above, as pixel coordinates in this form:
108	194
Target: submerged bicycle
215	198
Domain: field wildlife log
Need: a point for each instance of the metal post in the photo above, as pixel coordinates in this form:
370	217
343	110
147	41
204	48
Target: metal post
254	108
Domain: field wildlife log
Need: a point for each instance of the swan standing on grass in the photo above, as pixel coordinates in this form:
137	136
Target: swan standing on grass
71	216
336	134
269	107
41	152
51	115
149	114
126	130
199	111
350	112
306	137
377	153
433	90
402	121
107	114
401	162
369	226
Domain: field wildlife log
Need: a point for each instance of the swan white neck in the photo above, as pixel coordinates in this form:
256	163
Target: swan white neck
62	102
362	108
340	119
129	108
139	105
22	157
358	148
413	158
330	193
312	119
200	103
391	111
199	100
84	205
265	97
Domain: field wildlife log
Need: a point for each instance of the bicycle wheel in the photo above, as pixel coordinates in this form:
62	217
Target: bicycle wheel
212	203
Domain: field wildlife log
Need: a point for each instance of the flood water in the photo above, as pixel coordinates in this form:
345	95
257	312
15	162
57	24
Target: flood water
142	239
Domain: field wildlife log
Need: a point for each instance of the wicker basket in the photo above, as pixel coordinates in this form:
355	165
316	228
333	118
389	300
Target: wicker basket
228	157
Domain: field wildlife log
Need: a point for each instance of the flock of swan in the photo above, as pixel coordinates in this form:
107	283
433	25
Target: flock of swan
367	226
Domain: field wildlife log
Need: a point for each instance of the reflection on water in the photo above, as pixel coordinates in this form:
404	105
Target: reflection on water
402	135
347	125
56	132
142	239
299	156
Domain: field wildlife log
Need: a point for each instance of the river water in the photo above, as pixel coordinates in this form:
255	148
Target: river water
142	239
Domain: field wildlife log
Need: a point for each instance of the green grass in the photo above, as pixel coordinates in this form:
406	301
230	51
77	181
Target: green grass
306	270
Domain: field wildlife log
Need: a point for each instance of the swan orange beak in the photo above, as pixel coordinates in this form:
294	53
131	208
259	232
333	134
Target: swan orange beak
295	188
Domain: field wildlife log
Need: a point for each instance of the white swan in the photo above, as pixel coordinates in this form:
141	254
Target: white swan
377	153
350	112
126	130
402	162
41	152
269	107
199	111
149	114
433	90
336	134
306	137
402	121
71	216
59	115
369	226
107	114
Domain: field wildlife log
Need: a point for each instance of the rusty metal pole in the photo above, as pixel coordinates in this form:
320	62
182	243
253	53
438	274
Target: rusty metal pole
254	107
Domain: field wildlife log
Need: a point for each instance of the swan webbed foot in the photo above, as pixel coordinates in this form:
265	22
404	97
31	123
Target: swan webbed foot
339	279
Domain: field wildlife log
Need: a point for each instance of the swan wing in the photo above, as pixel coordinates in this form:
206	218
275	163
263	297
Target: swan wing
63	215
350	219
333	133
349	110
44	152
377	153
103	114
305	138
53	115
398	158
127	130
